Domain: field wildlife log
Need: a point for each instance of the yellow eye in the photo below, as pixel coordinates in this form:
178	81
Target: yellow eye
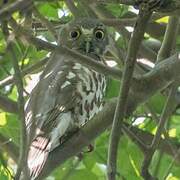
74	34
99	34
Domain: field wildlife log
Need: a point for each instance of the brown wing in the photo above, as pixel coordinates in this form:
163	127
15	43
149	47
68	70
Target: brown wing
53	95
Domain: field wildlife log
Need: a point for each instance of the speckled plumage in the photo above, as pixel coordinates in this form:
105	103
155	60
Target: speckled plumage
68	94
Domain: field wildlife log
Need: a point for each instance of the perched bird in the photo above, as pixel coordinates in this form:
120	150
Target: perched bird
68	94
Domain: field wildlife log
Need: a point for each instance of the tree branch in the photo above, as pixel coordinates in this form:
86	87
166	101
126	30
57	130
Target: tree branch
160	76
88	133
143	90
164	6
70	4
10	79
47	23
143	139
8	105
130	61
73	55
169	38
167	111
19	5
147	91
20	90
103	14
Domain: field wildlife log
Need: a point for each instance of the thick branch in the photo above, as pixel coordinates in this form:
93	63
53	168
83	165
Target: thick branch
20	90
73	55
139	136
88	133
169	38
103	14
133	48
160	77
167	6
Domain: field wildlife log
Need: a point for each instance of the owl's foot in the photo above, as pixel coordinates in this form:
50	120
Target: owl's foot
149	5
90	148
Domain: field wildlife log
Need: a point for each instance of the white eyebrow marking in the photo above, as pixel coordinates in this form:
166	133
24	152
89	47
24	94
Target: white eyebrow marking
87	31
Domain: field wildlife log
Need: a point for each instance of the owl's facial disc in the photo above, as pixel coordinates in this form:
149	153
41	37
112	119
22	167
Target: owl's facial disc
90	41
89	36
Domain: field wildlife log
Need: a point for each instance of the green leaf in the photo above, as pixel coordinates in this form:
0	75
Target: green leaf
5	173
157	102
130	159
100	171
117	10
167	166
82	174
49	10
11	128
89	161
112	88
3	119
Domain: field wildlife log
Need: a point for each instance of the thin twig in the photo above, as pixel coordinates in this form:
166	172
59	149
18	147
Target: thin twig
171	164
120	112
142	87
7	10
169	38
10	79
156	119
167	111
78	57
70	4
85	6
47	23
19	84
103	14
103	120
92	130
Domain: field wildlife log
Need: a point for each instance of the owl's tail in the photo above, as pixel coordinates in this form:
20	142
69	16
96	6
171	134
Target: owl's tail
37	156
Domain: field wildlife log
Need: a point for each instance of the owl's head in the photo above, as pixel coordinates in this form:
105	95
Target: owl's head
85	35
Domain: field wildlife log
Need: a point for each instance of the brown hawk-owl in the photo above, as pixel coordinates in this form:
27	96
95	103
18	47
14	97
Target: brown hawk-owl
68	93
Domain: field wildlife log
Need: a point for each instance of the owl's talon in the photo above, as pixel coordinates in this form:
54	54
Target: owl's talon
90	148
81	154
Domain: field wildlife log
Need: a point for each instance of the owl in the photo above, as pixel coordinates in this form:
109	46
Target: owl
68	94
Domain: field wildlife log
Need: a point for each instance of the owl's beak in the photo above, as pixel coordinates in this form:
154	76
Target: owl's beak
87	39
87	46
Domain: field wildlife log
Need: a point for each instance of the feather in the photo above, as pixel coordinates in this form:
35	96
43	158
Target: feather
61	100
38	154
